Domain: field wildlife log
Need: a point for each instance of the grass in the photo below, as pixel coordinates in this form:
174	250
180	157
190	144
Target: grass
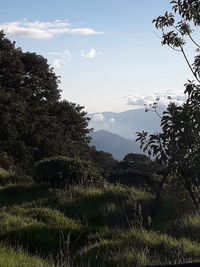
94	227
185	227
112	206
10	257
139	248
17	194
10	177
38	229
4	176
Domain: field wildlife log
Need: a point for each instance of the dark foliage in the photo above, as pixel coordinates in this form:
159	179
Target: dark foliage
136	170
177	146
60	172
103	160
35	122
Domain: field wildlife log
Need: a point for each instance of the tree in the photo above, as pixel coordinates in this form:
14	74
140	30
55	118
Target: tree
35	122
103	160
177	146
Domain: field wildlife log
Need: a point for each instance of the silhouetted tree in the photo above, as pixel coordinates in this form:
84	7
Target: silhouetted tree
35	122
104	160
177	146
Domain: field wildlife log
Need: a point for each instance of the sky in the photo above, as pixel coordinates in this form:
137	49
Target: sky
107	53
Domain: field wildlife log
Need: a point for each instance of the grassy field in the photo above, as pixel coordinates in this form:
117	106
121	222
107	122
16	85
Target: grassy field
93	227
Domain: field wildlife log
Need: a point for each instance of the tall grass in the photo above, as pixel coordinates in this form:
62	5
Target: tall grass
96	226
139	248
17	258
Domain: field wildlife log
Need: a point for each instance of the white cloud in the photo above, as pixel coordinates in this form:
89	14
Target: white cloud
43	30
90	54
58	63
62	58
100	120
84	31
163	98
97	117
63	54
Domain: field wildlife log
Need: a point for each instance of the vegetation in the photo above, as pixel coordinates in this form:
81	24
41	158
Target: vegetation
136	170
60	172
62	203
176	147
85	226
35	122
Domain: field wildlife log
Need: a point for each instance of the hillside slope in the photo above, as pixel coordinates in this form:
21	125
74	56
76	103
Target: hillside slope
126	123
114	144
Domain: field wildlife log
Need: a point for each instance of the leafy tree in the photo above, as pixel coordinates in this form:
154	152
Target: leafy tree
60	172
136	170
104	160
177	146
137	158
35	122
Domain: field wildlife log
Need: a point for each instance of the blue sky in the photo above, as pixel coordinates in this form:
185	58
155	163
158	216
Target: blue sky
106	52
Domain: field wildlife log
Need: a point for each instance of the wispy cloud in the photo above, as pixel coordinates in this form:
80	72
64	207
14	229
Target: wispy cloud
58	63
163	98
97	117
90	54
101	120
61	58
62	54
43	30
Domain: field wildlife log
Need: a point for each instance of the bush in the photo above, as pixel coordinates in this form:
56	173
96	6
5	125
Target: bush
60	172
9	177
6	161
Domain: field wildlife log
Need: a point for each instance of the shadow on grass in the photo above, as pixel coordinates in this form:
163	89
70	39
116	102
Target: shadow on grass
20	194
113	207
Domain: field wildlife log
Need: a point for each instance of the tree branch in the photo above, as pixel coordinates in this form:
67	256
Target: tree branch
183	52
194	41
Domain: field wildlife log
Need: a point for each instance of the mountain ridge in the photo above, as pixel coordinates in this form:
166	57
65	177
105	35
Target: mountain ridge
113	143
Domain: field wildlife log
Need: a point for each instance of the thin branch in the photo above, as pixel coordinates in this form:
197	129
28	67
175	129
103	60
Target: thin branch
191	38
158	113
177	50
157	35
183	52
155	110
194	41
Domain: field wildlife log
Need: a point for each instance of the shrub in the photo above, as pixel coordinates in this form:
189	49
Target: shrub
6	161
9	177
60	172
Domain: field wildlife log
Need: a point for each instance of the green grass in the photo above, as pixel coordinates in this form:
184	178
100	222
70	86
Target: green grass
138	248
94	227
18	194
187	226
39	229
4	176
112	206
9	178
4	173
10	257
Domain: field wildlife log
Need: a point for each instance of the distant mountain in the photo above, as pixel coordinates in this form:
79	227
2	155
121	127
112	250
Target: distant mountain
114	144
126	123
